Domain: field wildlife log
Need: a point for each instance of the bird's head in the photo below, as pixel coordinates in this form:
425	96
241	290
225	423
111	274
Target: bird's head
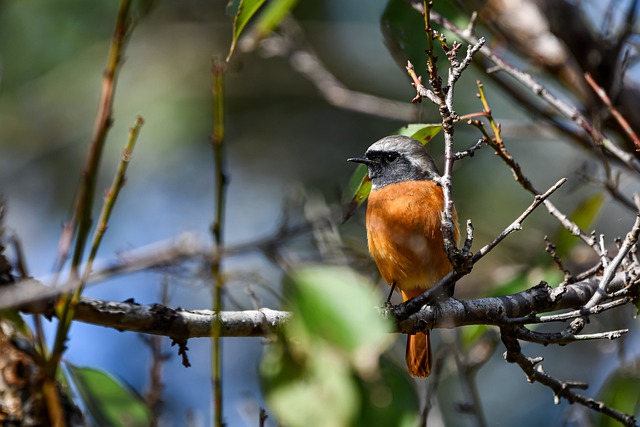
397	158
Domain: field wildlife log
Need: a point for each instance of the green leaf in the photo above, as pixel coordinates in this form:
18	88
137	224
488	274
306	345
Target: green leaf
525	279
620	391
246	10
420	131
13	316
269	19
108	401
469	335
404	34
300	392
389	399
312	374
583	216
300	397
337	306
272	16
358	188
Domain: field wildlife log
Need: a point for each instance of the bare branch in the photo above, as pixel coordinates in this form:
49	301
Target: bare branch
569	111
469	152
561	389
518	308
563	337
445	313
624	124
629	241
291	45
177	323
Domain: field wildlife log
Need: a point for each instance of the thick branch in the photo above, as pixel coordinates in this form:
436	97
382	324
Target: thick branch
445	313
177	323
521	307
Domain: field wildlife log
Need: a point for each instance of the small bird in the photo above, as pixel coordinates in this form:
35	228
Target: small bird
404	234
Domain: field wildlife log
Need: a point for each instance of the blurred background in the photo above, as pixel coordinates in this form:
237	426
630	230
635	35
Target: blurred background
285	146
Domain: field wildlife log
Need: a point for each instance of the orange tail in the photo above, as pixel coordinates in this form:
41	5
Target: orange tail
418	355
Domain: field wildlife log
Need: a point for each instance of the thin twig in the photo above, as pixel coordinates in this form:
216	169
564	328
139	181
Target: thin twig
551	250
81	217
561	389
471	407
289	43
68	301
221	180
624	124
570	112
498	144
155	387
470	151
517	224
564	337
571	314
442	97
630	240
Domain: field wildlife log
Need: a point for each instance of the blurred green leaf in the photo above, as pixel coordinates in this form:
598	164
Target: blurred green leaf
389	399
13	316
405	35
274	12
359	186
334	336
620	391
272	16
338	306
108	401
583	216
320	391
469	335
524	280
246	10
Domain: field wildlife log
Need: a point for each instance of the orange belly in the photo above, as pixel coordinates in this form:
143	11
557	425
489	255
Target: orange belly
404	234
405	240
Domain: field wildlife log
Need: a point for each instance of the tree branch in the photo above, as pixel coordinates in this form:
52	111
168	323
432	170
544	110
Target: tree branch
178	323
291	45
561	389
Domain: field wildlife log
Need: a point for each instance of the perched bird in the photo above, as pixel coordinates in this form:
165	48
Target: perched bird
404	234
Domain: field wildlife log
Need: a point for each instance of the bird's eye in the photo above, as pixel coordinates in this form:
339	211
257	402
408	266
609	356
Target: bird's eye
390	157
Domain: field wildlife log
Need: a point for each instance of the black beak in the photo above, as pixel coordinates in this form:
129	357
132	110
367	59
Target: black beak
362	160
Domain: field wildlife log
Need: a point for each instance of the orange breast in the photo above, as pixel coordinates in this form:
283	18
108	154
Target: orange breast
404	234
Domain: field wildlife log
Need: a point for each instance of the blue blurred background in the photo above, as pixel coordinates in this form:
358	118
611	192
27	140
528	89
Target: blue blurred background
283	138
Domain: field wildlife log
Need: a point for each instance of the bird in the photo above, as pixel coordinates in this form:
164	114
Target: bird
403	221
